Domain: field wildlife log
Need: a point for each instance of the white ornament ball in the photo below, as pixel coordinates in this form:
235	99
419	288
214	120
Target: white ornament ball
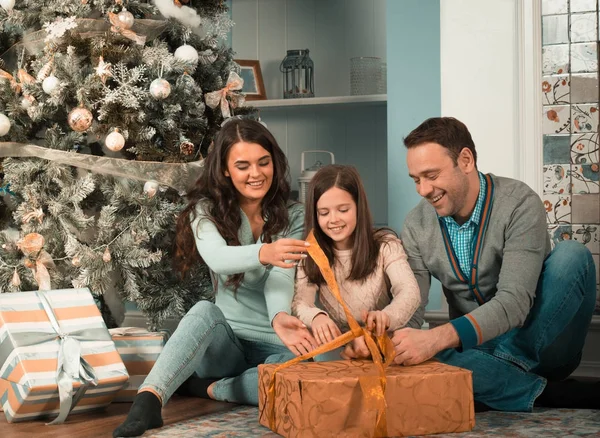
50	84
125	19
186	53
4	125
115	141
7	4
150	188
160	88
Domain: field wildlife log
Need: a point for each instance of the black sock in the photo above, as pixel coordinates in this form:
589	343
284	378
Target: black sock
145	414
195	386
570	394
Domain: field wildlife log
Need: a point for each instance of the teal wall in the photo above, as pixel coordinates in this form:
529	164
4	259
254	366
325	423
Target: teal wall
414	94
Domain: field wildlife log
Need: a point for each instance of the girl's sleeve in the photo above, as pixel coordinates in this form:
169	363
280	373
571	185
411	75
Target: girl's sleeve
279	286
303	305
404	288
220	257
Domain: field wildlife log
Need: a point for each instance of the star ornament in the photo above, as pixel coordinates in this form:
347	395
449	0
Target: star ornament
103	70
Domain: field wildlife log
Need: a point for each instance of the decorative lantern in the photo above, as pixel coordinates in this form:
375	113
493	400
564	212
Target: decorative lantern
306	174
298	74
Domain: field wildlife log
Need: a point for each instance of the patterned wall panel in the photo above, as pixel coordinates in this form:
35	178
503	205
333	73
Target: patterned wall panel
570	87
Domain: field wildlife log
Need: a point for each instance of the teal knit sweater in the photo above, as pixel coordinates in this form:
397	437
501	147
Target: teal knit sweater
265	290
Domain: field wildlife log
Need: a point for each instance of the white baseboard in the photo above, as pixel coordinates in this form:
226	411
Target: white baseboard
590	363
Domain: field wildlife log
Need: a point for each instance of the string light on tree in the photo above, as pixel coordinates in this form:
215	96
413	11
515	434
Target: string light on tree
8	5
186	53
160	88
115	141
50	84
150	188
80	119
4	125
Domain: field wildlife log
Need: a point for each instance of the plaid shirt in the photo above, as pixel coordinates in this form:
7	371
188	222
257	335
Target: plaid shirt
461	236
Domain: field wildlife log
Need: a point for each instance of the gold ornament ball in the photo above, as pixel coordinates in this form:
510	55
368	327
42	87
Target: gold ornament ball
125	19
160	88
80	119
115	141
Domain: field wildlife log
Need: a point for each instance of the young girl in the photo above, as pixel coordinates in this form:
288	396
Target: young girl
369	264
240	222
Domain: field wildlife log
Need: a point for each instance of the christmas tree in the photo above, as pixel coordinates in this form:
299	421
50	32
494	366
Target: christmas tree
106	110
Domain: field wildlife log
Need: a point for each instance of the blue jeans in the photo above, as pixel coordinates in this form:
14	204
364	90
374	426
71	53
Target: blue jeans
205	344
510	371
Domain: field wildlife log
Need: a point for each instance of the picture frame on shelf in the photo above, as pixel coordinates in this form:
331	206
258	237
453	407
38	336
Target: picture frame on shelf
254	86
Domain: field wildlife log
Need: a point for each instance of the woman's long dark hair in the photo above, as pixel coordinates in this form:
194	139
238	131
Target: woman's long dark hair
367	240
223	208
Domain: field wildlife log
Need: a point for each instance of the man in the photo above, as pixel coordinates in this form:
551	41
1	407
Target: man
519	312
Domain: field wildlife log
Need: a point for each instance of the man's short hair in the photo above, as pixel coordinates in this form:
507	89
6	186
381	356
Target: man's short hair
445	131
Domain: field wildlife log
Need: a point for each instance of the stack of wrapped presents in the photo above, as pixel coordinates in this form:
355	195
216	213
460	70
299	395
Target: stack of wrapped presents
58	357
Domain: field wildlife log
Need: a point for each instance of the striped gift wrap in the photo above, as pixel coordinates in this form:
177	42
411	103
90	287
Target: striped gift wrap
139	350
56	355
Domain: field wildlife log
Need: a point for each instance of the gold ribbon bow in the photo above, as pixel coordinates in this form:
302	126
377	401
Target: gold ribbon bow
227	96
127	33
38	260
381	349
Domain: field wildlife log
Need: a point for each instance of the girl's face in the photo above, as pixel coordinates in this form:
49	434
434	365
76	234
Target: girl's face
250	167
336	214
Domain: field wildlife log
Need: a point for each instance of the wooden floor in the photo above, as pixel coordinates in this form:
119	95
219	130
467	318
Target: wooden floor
101	424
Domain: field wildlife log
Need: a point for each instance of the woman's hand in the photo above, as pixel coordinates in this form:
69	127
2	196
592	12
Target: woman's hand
377	321
294	334
324	329
284	253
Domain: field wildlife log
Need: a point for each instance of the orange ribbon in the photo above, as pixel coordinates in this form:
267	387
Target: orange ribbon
380	347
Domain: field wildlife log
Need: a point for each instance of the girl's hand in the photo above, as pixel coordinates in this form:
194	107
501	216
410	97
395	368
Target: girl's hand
357	349
377	321
294	334
284	253
324	329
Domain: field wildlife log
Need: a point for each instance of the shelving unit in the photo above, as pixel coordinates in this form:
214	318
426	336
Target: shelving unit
373	99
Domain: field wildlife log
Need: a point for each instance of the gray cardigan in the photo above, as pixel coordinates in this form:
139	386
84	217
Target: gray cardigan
514	248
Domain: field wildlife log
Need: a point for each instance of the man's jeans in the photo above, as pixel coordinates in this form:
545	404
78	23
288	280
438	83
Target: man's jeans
205	344
510	372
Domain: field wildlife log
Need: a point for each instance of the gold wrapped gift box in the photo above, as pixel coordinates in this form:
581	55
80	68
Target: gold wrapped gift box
325	399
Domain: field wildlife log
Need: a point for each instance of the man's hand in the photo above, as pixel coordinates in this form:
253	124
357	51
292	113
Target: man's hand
414	346
324	329
357	349
294	334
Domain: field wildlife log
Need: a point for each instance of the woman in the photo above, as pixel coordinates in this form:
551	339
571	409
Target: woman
247	231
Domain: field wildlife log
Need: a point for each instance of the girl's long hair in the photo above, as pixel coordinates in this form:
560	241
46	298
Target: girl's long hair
222	204
366	240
